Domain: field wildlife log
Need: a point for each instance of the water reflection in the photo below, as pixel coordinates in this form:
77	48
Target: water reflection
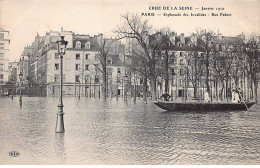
60	147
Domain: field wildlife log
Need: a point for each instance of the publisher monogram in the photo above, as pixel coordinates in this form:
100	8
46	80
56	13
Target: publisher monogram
14	154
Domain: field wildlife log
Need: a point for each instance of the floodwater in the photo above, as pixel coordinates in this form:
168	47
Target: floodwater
99	131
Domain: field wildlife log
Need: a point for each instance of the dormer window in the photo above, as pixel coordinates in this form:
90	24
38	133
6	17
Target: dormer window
78	45
181	62
109	62
87	45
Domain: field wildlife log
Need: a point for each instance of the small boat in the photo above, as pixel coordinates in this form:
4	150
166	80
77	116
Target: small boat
203	106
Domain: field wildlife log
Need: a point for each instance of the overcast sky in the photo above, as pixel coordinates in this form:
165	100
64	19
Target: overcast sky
24	18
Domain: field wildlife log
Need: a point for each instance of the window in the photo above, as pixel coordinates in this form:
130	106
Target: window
141	81
181	71
96	79
86	78
56	55
77	67
2	36
181	82
78	45
201	54
77	78
56	67
56	78
181	62
118	70
173	72
86	56
181	54
86	67
109	62
1	67
109	71
1	76
77	56
1	56
2	46
87	45
173	82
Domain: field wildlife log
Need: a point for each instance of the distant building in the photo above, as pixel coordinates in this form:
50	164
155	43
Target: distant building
181	52
23	69
4	58
13	77
82	72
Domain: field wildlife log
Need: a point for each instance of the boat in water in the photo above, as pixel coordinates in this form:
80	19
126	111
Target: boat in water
203	106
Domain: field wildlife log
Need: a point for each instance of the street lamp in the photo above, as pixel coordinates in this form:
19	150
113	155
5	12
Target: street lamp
20	98
61	50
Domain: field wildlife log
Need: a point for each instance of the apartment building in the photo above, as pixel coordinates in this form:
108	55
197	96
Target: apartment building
4	58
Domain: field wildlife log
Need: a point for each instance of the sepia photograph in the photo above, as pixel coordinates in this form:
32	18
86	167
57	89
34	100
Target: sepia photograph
129	82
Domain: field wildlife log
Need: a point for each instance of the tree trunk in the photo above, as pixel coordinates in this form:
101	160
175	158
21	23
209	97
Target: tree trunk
153	88
166	89
216	89
227	93
255	88
222	90
104	81
145	88
207	72
196	75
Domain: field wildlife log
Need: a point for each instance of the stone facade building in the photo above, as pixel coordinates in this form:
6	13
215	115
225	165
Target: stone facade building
4	59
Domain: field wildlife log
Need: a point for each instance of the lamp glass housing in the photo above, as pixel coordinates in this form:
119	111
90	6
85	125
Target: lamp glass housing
62	44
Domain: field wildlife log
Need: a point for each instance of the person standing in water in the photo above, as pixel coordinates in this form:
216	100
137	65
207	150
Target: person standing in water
206	96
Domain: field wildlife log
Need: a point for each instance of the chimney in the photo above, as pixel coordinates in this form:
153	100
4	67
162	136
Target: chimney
182	38
172	37
61	29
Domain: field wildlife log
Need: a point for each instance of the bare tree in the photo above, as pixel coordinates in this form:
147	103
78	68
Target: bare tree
252	50
166	46
136	28
103	51
205	44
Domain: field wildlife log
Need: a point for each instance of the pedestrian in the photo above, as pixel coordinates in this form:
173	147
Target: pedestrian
239	91
165	96
235	96
206	96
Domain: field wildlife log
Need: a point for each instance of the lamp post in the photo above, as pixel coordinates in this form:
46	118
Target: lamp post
173	78
79	89
20	97
61	50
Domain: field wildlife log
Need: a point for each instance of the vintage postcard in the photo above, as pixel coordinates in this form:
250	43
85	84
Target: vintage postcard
129	82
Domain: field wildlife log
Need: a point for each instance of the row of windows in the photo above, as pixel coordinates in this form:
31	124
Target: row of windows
181	71
77	78
77	67
77	56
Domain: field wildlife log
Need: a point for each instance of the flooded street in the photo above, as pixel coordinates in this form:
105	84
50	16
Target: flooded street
99	131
